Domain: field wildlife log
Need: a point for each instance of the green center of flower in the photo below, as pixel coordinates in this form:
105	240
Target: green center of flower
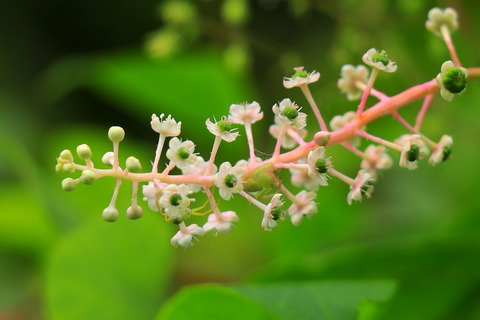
413	153
321	165
276	213
175	199
290	112
300	74
230	180
446	153
182	153
454	80
380	57
224	125
178	219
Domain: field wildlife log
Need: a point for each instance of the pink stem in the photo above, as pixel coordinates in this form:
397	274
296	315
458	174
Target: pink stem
404	122
313	105
251	147
292	133
423	111
366	92
450	46
379	140
354	150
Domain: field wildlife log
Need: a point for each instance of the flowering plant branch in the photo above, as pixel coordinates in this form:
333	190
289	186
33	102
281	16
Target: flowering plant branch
309	163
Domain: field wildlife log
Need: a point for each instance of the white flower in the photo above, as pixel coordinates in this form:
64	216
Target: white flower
378	159
300	178
288	112
197	168
245	112
272	213
229	180
181	153
318	165
442	150
152	193
303	206
222	222
175	201
288	142
222	129
185	236
379	60
168	127
300	77
411	153
350	76
452	80
361	187
438	18
340	121
403	139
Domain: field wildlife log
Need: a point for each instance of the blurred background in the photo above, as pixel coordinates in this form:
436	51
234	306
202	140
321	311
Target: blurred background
70	70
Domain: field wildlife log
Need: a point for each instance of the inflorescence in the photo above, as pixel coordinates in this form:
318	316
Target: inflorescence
309	163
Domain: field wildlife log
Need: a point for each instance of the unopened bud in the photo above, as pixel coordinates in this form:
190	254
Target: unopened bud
66	155
68	168
68	184
108	158
116	134
84	151
133	164
88	176
59	168
322	138
110	214
134	212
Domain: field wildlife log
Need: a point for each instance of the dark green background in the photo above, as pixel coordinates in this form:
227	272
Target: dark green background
69	70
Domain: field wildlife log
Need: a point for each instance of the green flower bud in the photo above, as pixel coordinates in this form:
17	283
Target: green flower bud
380	57
230	180
108	158
133	164
455	80
134	212
84	151
300	74
59	168
224	125
68	184
182	153
110	214
116	134
68	168
290	112
414	153
66	155
88	176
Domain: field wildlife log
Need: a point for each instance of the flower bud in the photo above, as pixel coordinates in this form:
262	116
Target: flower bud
134	212
68	184
110	214
133	164
88	176
66	155
68	168
322	138
84	151
59	168
116	134
108	158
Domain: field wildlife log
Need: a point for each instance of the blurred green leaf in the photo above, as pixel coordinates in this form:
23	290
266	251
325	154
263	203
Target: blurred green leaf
327	300
110	271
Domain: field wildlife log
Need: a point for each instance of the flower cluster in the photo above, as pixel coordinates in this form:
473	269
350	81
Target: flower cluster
311	166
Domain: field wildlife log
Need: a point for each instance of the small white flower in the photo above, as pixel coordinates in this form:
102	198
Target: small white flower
350	76
411	153
168	127
175	201
222	223
442	150
152	193
318	165
451	80
361	187
300	177
300	77
222	129
304	206
378	159
288	112
181	153
438	18
272	213
403	139
229	180
379	60
185	236
197	168
245	112
288	142
340	121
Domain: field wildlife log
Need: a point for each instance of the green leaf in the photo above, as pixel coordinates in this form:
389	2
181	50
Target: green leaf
211	302
329	300
109	271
